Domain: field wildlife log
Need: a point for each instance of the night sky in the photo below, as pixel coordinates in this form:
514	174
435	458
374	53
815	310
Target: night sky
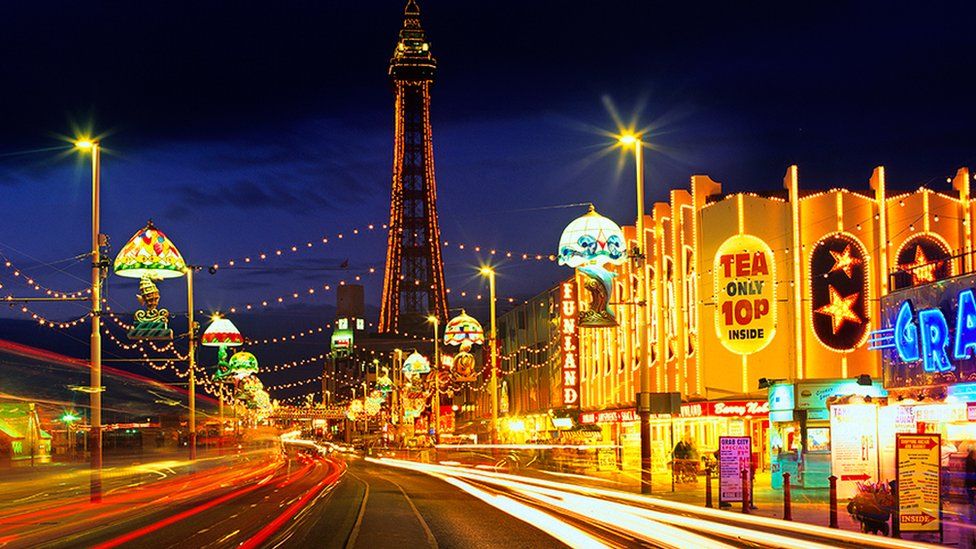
242	127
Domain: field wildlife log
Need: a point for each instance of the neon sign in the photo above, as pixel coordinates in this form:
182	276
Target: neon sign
569	346
926	336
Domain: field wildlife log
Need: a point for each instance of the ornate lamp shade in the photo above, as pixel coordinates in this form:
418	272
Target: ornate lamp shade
149	253
222	333
463	328
416	364
251	384
243	364
593	240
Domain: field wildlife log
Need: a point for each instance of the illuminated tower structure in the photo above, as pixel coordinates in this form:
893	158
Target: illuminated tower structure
413	283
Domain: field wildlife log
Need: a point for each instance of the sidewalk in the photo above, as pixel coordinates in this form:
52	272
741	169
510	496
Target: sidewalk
810	505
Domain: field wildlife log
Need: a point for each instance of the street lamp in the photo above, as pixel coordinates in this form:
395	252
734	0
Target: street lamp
95	391
489	273
437	382
221	334
68	418
628	140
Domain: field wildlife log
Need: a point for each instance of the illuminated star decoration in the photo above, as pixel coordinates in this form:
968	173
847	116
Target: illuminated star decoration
843	261
840	309
922	270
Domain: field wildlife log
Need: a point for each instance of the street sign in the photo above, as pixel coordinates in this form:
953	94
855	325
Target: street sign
734	456
853	446
919	481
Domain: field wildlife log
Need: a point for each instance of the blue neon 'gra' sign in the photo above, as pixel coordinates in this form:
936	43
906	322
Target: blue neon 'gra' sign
928	338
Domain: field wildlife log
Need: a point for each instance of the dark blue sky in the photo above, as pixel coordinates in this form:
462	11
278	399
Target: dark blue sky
240	127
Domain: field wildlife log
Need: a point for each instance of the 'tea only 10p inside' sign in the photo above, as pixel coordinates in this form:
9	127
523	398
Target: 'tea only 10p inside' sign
744	272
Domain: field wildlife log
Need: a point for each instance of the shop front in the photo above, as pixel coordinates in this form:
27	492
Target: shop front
699	423
928	346
801	421
620	428
704	422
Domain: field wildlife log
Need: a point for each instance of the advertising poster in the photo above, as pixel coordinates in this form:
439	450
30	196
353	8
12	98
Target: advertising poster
734	456
919	483
853	446
745	294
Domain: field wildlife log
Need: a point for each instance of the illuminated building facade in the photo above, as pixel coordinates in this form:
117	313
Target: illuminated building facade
783	286
413	282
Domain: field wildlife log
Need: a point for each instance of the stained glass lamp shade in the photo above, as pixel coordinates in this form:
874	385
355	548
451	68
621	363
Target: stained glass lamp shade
463	328
149	253
592	239
416	364
243	364
222	333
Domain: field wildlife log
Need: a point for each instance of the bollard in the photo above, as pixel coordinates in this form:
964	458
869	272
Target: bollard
833	501
708	487
745	491
787	498
895	516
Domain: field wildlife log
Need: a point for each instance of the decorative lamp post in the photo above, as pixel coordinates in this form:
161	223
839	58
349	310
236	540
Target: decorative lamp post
587	244
221	334
464	332
150	256
415	365
241	365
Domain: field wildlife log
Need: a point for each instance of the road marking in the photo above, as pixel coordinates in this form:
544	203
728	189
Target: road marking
430	535
354	534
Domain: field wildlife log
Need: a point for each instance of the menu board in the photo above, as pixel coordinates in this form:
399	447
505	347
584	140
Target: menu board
734	456
919	483
853	446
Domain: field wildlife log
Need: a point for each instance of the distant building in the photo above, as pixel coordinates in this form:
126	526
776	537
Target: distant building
21	435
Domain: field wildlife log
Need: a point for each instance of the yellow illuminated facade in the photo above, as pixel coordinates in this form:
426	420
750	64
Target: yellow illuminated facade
783	285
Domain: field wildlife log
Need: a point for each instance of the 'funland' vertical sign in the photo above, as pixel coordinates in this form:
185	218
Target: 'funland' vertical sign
745	295
569	343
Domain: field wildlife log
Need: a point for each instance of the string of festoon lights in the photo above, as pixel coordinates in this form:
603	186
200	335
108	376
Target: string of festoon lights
371	228
33	284
312	291
40	318
295	398
290	337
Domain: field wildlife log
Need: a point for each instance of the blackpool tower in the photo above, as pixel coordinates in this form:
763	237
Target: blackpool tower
413	282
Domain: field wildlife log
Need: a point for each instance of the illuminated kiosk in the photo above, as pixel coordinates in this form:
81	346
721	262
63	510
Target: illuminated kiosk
805	426
927	343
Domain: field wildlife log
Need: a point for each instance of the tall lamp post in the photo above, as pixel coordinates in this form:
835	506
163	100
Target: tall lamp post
95	391
489	273
644	396
437	381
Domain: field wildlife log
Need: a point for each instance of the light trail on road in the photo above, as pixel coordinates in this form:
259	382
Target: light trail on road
634	513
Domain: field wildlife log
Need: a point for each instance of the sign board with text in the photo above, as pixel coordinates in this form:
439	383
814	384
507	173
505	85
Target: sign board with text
569	343
609	416
919	481
745	294
734	456
733	408
853	446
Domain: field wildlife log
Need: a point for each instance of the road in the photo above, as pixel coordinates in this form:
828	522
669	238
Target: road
245	502
303	498
595	517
